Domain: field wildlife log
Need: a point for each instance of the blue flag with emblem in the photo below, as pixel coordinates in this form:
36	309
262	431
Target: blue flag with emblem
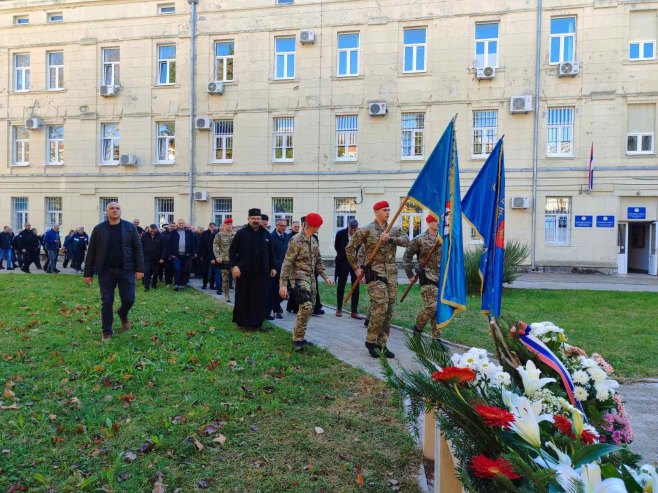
437	189
484	208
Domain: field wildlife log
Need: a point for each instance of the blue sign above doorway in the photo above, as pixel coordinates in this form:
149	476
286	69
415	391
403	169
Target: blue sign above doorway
637	213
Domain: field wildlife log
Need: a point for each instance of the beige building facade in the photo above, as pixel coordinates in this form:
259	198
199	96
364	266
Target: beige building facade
331	106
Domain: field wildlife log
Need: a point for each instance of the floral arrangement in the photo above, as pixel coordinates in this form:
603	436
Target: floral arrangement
513	425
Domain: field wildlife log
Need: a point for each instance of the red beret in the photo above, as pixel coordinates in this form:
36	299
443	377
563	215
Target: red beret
430	218
380	205
314	220
228	220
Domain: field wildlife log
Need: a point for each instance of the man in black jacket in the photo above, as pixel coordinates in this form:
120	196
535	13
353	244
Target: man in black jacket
206	256
181	249
115	254
343	268
29	245
154	253
6	251
280	240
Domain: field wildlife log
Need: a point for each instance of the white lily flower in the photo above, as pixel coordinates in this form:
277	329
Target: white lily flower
530	376
527	416
589	477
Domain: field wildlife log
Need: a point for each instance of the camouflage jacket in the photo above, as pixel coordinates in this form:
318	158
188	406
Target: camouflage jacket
221	244
302	261
384	261
421	246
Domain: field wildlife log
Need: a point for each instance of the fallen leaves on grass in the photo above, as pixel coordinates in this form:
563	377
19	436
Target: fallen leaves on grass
127	398
16	487
204	483
221	439
198	445
159	487
147	447
360	480
211	429
319	430
128	457
212	365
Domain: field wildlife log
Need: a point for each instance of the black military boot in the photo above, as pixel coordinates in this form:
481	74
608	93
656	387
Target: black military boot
372	349
417	332
387	353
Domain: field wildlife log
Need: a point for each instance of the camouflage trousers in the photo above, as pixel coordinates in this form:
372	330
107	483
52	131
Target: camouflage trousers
305	311
428	294
226	274
382	299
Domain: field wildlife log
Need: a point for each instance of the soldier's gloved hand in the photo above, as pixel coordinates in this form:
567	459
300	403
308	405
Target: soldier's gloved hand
283	293
385	237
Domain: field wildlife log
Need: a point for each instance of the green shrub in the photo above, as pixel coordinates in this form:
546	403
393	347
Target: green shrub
516	252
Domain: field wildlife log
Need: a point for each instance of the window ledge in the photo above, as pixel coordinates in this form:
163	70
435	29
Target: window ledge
109	164
63	89
646	61
55	165
283	161
640	154
479	157
351	160
19	165
164	86
348	77
164	163
560	156
221	162
562	245
414	74
283	81
412	159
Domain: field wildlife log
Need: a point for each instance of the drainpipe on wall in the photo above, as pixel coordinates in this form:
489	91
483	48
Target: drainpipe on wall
193	4
535	144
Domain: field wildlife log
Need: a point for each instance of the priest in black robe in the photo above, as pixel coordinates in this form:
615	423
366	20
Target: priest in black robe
252	259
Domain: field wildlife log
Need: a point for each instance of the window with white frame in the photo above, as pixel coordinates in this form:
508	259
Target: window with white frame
223	130
21	72
413	135
485	132
563	39
559	142
21	154
19	207
55	149
415	50
411	219
224	60
347	137
166	8
111	66
486	45
222	209
53	211
21	20
642	50
284	134
348	54
110	140
55	70
54	17
284	57
557	221
103	202
164	210
344	212
642	35
166	64
166	143
641	125
282	208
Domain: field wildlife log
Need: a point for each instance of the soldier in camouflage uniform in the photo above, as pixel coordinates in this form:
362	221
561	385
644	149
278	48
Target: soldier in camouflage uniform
421	246
220	247
301	266
382	274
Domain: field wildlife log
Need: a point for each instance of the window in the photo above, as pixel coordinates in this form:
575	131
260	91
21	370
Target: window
284	57
641	124
55	70
22	72
53	211
486	45
642	50
55	17
223	141
415	45
166	9
111	66
21	146
166	142
557	221
55	149
285	2
224	60
223	209
642	35
110	143
347	134
164	211
413	135
282	209
103	203
411	219
19	206
344	212
166	64
563	39
284	133
348	54
21	20
560	132
485	132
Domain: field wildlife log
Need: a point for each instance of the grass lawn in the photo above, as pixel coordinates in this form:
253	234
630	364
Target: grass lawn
621	326
182	399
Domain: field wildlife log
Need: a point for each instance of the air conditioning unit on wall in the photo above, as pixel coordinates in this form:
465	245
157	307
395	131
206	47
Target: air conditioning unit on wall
307	37
568	69
377	108
520	104
109	91
485	73
203	123
216	87
520	202
128	160
201	196
34	123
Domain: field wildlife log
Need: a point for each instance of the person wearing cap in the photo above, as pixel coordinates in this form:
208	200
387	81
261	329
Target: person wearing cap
252	259
153	245
380	276
343	268
301	267
428	278
220	248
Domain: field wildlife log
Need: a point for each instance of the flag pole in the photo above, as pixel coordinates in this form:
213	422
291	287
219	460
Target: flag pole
421	266
376	249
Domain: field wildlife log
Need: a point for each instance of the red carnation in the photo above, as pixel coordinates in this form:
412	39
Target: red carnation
587	437
452	374
486	468
495	416
564	425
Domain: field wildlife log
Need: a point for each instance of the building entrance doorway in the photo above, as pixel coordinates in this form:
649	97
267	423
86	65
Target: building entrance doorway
641	247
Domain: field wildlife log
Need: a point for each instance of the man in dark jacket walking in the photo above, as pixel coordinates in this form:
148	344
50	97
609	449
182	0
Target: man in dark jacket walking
154	254
280	240
6	251
29	245
343	269
115	254
181	249
206	256
53	244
